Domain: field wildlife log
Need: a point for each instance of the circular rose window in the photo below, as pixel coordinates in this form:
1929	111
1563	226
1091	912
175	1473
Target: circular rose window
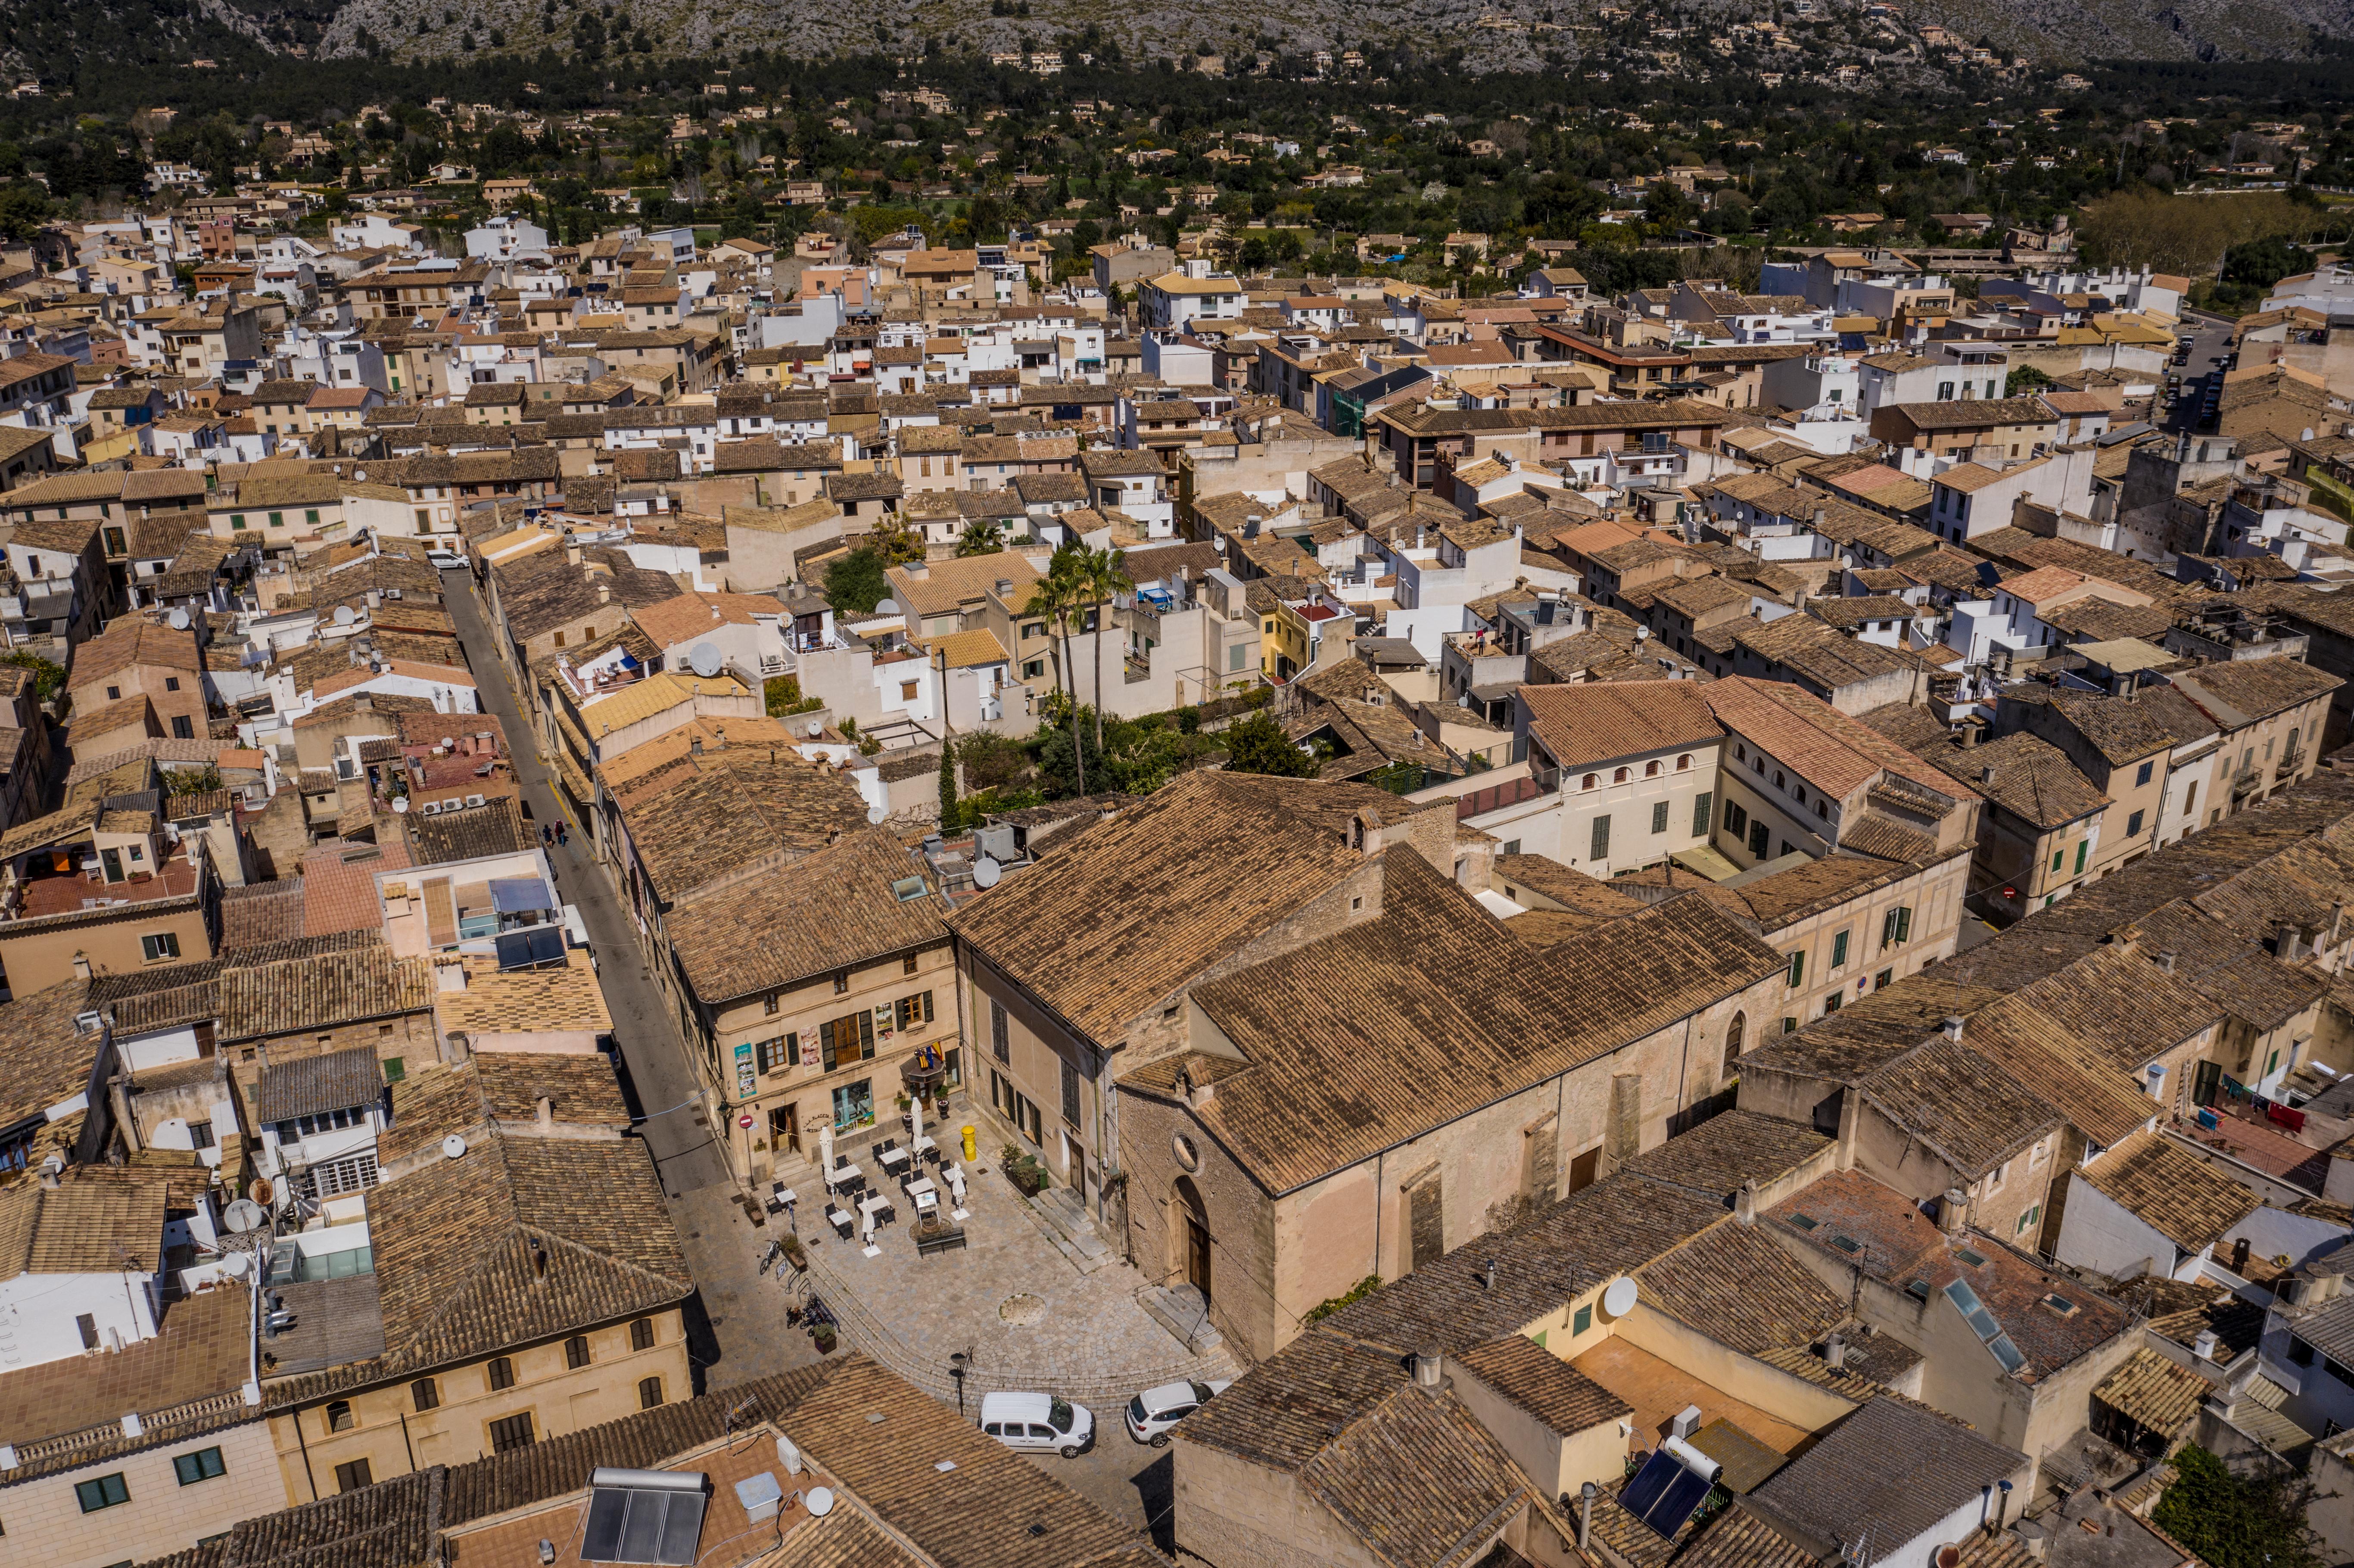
1187	1155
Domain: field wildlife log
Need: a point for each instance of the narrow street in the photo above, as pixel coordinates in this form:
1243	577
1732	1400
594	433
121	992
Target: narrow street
746	1335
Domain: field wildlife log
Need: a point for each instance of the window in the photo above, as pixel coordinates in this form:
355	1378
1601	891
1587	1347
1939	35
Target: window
1683	763
1839	951
575	1351
906	691
2299	1354
2141	776
425	1394
1703	803
1000	1046
200	1135
113	693
201	1466
1737	821
339	1417
89	1327
1070	1094
1896	926
772	1054
1583	1320
352	1476
502	1373
1599	849
2133	823
771	1003
842	982
1591	780
907	965
1619	777
171	683
1758	835
106	1491
1650	771
512	1432
649	1393
1035	668
2083	847
1660	817
850	1039
1798	968
911	1011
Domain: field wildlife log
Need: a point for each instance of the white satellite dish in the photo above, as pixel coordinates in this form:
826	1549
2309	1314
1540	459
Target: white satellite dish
703	658
876	814
1620	1299
985	871
815	730
888	607
400	806
453	1147
344	616
234	1264
244	1214
819	1502
177	621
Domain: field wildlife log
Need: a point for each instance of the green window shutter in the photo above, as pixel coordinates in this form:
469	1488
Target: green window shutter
1703	803
1797	967
1839	950
1584	1320
1660	817
1600	847
825	1034
1904	923
2083	847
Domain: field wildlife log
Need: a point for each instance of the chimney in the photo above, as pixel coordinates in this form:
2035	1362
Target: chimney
1585	1514
1005	588
1969	738
695	746
539	1260
1426	1367
604	593
1835	1352
2205	1346
1488	1276
2166	963
81	965
918	570
2240	1249
1850	1114
49	1173
1745	1203
1953	1211
1951	1028
544	1112
2287	943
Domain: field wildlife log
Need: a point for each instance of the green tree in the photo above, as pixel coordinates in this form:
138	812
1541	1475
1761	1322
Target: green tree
1055	598
1257	744
2234	1521
951	811
49	678
2025	380
1100	574
986	537
855	584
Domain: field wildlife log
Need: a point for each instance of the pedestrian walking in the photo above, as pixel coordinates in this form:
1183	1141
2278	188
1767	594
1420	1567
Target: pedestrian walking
546	835
563	833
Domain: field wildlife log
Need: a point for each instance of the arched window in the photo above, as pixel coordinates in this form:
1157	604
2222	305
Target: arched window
1740	753
1650	771
1591	780
1779	782
339	1415
1733	1034
1683	763
1619	777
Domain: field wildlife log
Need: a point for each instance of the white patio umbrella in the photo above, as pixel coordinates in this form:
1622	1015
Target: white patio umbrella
915	1122
825	1151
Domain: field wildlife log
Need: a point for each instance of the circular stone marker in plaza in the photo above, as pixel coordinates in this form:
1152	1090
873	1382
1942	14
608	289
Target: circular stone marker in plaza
1024	1312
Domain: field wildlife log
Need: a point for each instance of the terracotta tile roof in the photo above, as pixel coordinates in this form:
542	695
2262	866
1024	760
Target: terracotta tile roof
840	907
1891	1468
2184	1197
1832	750
711	817
2025	775
458	1246
1435	1512
322	990
339	886
695	615
1536	1381
309	1085
1152	911
1598	722
183	1382
2158	1393
100	1220
947	585
1742	1289
472	833
522	1001
45	1060
500	1089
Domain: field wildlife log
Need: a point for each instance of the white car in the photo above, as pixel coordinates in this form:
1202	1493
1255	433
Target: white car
445	560
1038	1420
1151	1414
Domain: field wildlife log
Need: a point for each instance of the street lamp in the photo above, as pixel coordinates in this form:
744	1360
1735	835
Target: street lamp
957	1360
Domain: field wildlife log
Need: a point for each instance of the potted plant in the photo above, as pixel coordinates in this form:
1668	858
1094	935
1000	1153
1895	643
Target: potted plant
793	1252
824	1336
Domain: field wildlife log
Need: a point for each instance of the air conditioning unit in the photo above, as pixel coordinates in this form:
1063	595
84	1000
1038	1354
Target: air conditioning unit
432	808
474	800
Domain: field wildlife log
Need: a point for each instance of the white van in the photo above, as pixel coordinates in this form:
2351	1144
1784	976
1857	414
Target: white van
1038	1420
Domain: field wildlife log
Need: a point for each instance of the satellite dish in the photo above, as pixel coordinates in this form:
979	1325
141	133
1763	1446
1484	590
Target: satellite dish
876	814
819	1502
234	1264
344	616
453	1147
177	621
815	730
1620	1299
259	1190
400	806
244	1214
703	658
888	607
985	871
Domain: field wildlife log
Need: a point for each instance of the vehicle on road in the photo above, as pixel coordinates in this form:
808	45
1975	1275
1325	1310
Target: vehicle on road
1036	1421
444	559
1150	1415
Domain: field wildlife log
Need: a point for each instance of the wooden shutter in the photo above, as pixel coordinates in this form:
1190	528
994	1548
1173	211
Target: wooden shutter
1426	1224
866	1033
793	1050
825	1035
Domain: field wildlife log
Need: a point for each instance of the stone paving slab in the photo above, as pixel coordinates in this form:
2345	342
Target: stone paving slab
1081	1335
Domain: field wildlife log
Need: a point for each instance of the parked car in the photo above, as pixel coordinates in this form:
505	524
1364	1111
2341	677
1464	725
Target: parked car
445	560
1038	1420
1151	1414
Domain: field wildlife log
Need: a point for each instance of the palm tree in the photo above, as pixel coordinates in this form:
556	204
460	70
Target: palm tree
1052	599
1102	575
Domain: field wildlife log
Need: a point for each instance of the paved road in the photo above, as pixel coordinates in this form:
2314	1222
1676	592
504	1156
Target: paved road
1127	1480
742	1332
2213	338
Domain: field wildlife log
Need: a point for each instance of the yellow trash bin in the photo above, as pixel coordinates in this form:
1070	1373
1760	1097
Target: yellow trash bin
971	1144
